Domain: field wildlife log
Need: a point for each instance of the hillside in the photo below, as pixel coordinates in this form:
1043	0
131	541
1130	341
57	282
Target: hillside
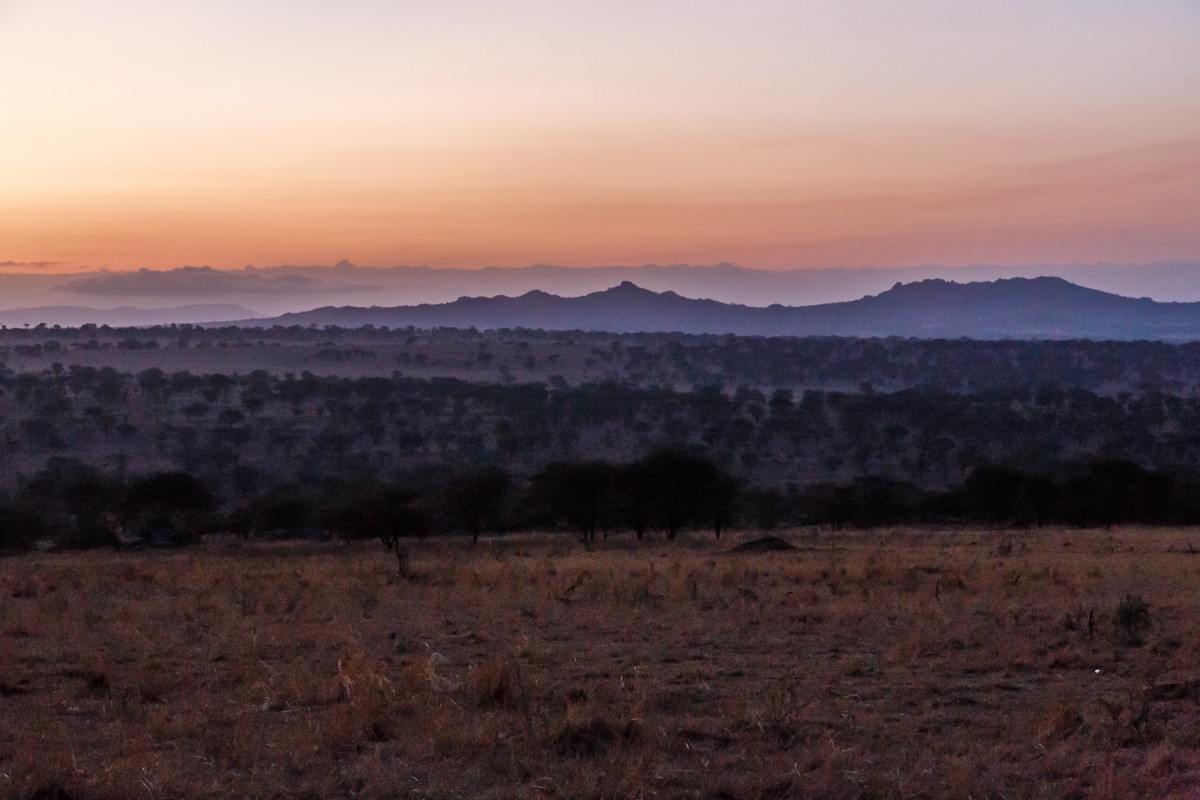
1018	308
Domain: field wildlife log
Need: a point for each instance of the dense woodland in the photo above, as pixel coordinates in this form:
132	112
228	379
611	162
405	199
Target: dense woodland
639	433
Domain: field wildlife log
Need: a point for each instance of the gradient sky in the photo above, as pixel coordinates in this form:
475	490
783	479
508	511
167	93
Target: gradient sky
143	133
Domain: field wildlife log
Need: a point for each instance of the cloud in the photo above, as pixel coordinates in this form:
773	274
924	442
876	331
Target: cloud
28	264
193	282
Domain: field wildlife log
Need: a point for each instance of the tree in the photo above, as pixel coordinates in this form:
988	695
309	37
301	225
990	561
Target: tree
581	494
828	503
782	402
154	384
476	498
175	504
387	512
675	485
721	500
81	495
285	507
636	492
993	493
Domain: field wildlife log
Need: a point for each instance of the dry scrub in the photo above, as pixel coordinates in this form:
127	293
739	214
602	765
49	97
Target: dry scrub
901	664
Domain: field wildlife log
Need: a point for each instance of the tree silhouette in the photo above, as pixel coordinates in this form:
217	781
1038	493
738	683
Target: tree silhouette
175	504
389	513
676	485
476	498
581	494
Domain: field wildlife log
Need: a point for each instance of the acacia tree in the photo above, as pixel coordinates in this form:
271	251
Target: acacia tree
476	498
281	508
390	513
80	497
674	486
636	494
581	494
174	503
721	500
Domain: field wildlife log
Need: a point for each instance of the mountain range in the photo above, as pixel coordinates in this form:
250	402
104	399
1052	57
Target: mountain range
1013	308
282	289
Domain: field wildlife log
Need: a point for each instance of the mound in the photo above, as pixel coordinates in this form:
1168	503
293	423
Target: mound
767	544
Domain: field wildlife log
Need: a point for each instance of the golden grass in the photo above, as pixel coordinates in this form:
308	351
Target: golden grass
899	664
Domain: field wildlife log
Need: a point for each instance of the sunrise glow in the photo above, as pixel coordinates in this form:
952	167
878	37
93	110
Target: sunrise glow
771	134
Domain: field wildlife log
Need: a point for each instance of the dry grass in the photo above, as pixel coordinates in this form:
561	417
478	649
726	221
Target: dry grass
901	664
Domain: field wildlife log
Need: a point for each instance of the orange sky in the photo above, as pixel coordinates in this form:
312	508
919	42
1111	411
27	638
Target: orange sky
773	134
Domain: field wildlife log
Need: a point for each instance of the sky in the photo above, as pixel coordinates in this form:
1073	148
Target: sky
772	134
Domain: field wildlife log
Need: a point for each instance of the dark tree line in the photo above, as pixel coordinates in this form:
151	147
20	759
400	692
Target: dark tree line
1096	493
75	505
667	491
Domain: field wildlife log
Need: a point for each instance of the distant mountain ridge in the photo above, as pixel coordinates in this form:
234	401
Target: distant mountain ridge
1017	308
126	316
285	289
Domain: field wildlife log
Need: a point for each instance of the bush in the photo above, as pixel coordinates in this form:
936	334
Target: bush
1133	614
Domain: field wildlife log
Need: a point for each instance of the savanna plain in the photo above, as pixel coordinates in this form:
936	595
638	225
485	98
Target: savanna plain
886	663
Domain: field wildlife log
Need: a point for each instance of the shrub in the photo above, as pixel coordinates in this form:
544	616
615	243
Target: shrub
1133	614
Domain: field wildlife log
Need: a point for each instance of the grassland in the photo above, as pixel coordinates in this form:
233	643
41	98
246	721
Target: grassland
883	664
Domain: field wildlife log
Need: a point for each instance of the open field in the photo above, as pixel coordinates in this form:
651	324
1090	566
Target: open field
881	664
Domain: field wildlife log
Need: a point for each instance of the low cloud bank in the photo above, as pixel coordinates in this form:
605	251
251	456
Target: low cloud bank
75	316
28	264
195	282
